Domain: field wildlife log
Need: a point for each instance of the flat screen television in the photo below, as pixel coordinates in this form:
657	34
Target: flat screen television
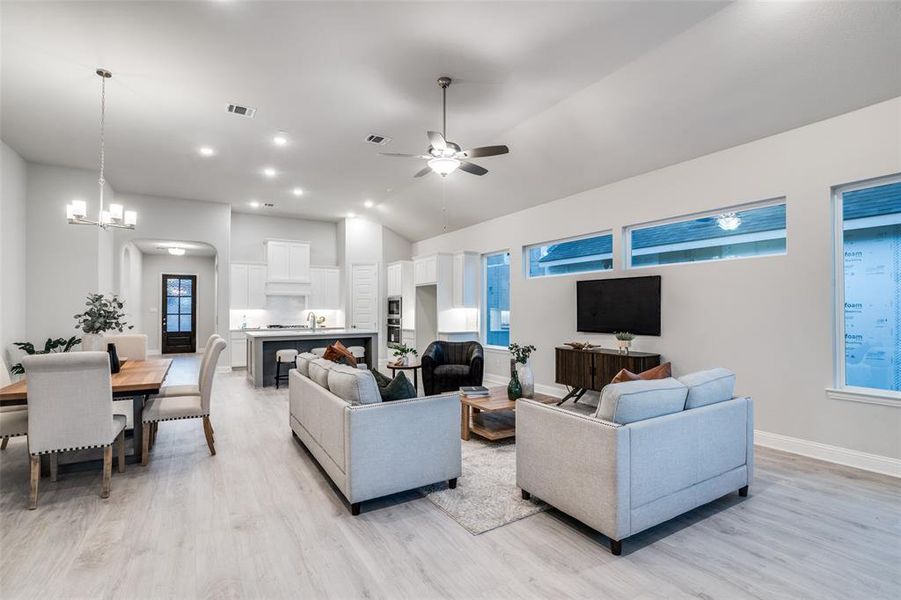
624	304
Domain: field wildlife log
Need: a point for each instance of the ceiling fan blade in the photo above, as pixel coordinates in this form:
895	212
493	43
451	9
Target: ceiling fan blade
400	155
472	168
424	171
485	151
437	141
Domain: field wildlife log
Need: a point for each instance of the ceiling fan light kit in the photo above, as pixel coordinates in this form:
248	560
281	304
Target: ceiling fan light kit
444	156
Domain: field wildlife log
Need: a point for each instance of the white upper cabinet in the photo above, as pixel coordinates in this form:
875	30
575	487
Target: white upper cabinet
325	290
395	276
248	286
466	280
425	270
288	262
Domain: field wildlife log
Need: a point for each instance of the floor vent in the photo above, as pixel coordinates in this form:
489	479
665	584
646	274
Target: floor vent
380	140
244	111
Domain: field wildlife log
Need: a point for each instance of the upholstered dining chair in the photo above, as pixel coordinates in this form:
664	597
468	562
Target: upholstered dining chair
13	419
70	407
446	366
192	389
132	346
170	408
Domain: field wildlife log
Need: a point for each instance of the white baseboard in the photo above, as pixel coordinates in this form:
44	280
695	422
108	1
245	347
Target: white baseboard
884	465
221	369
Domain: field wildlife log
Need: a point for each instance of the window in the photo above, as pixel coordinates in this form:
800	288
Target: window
736	233
868	277
497	299
579	255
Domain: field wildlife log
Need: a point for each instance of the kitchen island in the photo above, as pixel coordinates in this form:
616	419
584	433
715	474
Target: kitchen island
264	343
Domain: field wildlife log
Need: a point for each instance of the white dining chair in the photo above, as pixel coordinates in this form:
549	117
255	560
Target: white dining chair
192	389
170	408
70	407
132	346
13	419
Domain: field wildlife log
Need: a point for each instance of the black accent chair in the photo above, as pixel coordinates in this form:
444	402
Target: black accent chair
446	366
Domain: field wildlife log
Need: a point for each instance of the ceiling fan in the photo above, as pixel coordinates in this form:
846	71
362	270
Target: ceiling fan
443	156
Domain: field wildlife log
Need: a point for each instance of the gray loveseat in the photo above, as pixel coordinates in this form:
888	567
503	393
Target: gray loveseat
651	451
371	448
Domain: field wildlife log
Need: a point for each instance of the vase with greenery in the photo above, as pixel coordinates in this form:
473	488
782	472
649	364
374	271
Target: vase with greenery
103	313
402	352
522	381
50	346
624	341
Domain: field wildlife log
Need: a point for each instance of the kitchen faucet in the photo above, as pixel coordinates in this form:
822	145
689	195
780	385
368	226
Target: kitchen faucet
311	319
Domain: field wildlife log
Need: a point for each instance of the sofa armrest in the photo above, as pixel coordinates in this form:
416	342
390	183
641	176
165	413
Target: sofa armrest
575	463
395	446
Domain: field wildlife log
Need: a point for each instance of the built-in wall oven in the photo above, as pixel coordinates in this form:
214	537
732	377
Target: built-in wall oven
395	330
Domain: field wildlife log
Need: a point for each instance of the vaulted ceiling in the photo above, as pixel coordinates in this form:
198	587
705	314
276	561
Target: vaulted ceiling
584	93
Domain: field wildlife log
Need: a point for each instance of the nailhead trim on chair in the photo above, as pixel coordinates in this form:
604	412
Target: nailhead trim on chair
71	449
177	418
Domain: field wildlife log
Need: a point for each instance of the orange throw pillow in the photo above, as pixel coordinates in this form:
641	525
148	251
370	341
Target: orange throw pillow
337	352
659	372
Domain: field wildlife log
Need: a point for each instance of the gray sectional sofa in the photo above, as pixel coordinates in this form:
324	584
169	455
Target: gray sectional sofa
371	448
649	451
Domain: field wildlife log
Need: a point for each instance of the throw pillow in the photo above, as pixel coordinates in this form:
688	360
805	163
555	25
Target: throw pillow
398	388
380	378
659	372
338	353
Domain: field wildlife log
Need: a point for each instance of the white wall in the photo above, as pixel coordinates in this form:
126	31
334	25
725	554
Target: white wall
153	267
13	181
249	233
768	319
395	246
130	284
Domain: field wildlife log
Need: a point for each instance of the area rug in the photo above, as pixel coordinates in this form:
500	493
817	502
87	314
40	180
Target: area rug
486	496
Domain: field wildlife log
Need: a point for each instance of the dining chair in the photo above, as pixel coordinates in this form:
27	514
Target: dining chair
192	389
13	419
132	346
70	407
170	408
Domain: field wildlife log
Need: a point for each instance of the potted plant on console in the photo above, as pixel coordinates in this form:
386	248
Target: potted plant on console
624	341
103	313
522	381
402	352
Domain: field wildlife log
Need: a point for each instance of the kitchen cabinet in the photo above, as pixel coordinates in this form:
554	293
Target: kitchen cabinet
238	348
325	291
394	276
466	280
288	262
425	270
248	286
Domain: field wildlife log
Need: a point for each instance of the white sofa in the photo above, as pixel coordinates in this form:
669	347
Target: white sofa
371	448
650	451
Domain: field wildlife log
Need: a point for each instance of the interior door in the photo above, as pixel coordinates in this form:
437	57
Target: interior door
179	310
364	297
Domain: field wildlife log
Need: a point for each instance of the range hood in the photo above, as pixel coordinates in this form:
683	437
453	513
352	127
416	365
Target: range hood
288	288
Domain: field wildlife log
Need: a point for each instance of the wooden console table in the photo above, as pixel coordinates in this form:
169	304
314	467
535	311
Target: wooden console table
585	370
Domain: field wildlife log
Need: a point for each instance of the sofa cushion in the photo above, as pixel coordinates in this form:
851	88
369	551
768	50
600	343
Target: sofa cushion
303	362
659	372
354	386
319	369
708	387
632	401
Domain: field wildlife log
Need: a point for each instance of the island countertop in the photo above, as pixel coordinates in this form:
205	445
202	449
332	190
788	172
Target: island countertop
291	334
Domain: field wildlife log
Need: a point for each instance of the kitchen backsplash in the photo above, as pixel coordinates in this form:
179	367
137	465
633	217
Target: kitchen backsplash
282	310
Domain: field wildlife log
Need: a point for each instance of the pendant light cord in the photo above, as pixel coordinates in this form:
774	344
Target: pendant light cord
102	181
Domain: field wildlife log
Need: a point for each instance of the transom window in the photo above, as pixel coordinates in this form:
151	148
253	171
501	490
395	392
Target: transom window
757	230
576	255
496	317
868	285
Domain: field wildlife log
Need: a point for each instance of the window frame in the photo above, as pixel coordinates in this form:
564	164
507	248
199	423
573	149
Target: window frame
628	229
575	238
840	390
483	302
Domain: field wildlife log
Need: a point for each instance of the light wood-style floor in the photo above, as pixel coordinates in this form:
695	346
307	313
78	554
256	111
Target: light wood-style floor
260	520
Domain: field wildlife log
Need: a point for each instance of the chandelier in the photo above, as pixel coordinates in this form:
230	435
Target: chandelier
116	216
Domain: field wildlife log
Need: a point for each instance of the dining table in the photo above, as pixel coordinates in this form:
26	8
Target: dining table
136	379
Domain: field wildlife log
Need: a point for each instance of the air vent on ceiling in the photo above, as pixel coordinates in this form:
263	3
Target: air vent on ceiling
374	138
269	205
244	111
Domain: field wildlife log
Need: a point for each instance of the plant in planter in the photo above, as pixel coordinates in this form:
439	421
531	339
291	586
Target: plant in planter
624	341
103	313
50	346
522	381
402	352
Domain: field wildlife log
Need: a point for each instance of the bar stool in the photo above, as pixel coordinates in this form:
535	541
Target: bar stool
359	353
288	355
318	351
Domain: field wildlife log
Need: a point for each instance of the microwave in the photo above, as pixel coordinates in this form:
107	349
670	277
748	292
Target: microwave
394	306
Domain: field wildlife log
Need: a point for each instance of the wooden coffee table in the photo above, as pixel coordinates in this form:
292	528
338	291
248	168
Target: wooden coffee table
492	418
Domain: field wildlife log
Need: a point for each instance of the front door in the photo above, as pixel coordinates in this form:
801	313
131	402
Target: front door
179	326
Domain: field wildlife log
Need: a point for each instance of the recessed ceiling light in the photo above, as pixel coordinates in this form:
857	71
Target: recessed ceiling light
206	151
351	215
280	138
269	171
254	204
369	204
297	192
177	251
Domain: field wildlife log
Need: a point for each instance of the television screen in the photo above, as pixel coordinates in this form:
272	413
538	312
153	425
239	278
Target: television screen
626	304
